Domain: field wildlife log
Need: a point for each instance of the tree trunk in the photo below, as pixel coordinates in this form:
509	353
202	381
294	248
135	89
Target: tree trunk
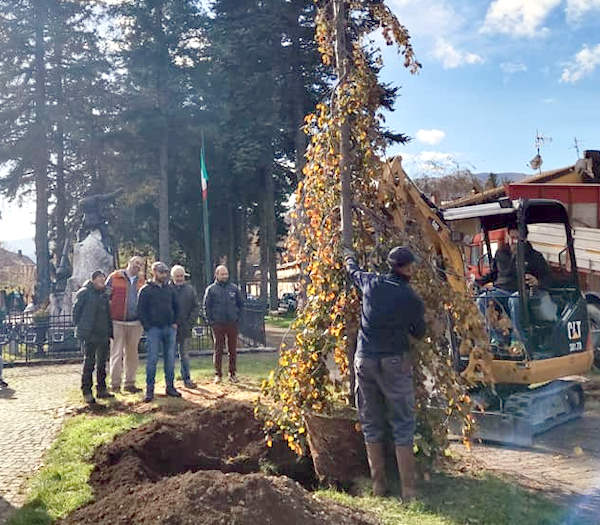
271	223
264	251
41	159
341	23
163	202
164	248
243	249
60	210
231	247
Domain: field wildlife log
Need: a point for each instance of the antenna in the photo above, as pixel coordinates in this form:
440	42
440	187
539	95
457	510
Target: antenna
537	161
577	144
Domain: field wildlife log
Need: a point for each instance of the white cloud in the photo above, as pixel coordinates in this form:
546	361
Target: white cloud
427	17
430	136
429	162
577	8
510	68
451	57
549	100
518	17
584	63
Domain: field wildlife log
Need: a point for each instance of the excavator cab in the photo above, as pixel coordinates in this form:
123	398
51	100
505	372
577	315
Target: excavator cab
546	336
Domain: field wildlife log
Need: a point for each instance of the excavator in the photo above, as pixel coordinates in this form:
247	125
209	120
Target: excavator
531	390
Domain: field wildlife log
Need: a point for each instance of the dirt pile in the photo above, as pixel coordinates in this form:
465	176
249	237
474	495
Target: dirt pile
215	498
223	437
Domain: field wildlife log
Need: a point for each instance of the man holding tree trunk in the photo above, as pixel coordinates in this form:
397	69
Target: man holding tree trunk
391	312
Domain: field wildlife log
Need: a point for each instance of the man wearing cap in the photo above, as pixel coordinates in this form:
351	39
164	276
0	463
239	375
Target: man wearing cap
157	311
94	329
188	308
390	312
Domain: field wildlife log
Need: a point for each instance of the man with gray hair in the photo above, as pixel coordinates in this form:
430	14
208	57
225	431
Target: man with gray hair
188	310
222	307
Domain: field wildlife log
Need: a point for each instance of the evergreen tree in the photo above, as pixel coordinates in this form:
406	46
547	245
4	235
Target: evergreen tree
159	41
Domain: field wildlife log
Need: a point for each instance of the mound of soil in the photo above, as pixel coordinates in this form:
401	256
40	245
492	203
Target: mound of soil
224	437
215	498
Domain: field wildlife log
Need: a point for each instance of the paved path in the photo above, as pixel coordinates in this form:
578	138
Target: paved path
563	463
32	410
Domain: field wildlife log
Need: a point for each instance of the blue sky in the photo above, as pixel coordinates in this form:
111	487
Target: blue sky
493	73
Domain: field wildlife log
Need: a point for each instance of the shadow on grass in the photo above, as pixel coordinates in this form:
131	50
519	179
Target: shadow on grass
33	513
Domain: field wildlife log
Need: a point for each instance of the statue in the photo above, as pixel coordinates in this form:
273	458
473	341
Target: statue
64	270
96	215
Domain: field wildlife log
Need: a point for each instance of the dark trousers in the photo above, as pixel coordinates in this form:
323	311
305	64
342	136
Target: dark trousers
385	397
222	331
95	355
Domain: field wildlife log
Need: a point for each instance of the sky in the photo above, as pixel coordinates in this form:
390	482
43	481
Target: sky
495	73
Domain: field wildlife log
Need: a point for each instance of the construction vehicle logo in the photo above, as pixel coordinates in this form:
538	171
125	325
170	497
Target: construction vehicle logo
574	329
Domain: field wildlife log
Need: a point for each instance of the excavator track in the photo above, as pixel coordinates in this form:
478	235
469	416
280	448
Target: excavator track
532	412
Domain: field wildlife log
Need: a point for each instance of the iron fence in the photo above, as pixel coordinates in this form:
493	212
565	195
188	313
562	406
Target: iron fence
25	338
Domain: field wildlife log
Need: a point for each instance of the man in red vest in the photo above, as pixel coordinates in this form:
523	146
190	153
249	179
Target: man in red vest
123	287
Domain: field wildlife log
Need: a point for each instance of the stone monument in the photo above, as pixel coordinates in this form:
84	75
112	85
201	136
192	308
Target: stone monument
93	251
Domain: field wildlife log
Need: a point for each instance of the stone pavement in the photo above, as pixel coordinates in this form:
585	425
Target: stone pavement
32	411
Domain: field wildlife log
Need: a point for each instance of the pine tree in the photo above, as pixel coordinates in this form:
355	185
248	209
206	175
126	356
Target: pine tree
24	125
159	41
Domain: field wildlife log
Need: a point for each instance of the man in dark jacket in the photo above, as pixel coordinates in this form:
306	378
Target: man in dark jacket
391	312
505	278
188	308
222	307
91	317
157	311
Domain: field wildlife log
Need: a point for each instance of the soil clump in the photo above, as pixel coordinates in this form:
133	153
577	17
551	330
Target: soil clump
216	498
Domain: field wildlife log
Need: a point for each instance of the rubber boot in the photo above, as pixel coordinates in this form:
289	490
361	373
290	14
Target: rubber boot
376	456
406	469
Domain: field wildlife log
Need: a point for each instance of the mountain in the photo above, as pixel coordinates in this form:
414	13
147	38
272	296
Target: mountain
507	175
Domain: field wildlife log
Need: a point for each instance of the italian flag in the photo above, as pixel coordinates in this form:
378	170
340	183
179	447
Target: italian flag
204	176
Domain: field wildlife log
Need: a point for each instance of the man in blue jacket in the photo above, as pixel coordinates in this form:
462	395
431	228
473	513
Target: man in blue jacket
391	312
223	308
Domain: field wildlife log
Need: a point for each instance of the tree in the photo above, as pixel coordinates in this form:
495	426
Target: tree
24	116
492	181
159	41
379	210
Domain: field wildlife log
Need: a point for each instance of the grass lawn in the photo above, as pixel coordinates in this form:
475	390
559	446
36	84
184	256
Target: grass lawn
251	368
61	485
280	321
449	500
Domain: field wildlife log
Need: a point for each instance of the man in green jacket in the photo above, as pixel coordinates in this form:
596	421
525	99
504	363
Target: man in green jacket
91	317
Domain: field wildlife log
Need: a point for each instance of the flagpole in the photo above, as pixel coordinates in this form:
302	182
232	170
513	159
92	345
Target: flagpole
204	174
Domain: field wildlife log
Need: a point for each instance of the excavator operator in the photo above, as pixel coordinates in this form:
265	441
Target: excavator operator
505	287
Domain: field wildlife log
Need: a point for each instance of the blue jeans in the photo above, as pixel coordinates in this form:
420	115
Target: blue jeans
156	338
185	360
510	303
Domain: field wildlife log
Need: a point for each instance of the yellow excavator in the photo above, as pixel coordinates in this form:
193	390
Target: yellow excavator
531	391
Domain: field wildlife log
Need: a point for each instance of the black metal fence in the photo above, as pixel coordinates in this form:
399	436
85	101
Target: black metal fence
27	339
